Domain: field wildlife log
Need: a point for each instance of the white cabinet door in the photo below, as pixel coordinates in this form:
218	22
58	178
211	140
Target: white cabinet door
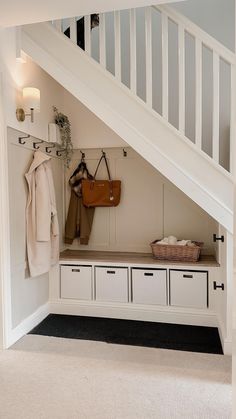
188	289
111	284
149	286
76	282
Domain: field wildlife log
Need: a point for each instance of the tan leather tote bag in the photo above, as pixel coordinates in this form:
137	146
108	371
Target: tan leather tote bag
101	193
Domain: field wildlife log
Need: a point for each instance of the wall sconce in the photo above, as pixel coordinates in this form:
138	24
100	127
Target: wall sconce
31	100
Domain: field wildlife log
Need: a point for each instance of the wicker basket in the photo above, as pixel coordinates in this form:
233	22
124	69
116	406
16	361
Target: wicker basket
176	252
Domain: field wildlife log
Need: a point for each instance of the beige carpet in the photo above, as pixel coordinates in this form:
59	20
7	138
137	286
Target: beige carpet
53	378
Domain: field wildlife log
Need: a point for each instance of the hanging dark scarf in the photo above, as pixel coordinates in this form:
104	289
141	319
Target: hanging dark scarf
76	178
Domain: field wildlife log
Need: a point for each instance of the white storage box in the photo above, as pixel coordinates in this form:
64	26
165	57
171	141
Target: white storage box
76	282
111	284
149	286
188	289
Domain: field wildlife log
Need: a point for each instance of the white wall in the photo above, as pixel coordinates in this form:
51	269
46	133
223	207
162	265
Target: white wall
150	207
87	130
28	294
18	75
51	93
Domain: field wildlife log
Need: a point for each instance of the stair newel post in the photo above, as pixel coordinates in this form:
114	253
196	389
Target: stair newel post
216	108
87	33
133	53
148	44
117	45
198	93
181	48
102	39
73	30
165	66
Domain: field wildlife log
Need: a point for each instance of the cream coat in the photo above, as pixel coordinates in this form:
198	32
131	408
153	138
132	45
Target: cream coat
42	231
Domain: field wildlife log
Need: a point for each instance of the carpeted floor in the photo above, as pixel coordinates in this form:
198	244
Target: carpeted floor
130	332
54	378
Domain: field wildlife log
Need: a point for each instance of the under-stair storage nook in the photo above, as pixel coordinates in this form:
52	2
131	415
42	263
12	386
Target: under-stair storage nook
115	275
173	181
136	286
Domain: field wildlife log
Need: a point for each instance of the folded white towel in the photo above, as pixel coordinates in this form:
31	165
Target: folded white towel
183	242
172	240
163	241
168	240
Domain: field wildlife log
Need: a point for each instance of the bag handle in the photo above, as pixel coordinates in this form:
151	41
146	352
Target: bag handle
108	171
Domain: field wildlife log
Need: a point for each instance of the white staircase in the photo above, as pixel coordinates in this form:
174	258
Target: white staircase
166	147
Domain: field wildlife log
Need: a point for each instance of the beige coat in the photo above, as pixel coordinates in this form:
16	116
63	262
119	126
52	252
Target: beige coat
42	231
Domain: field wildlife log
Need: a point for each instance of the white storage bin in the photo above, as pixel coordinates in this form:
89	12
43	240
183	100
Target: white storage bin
188	289
149	286
76	282
111	284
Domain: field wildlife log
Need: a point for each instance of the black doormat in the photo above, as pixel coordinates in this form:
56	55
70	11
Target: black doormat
132	332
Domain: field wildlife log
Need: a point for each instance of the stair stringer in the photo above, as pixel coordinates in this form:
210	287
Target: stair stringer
191	170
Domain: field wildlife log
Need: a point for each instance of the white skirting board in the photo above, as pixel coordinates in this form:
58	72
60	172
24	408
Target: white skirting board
226	341
136	312
119	311
28	324
162	315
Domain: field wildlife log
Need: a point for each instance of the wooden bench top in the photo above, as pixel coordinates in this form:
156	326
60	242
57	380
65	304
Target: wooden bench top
131	258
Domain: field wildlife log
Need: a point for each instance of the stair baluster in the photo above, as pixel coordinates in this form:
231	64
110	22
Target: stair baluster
201	40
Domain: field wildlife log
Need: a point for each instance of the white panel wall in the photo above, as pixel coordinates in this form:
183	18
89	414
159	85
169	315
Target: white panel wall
150	207
28	294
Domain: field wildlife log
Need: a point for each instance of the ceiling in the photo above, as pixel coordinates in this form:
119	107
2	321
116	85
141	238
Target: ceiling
15	12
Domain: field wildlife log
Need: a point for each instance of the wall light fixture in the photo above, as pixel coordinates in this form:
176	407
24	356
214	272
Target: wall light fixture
31	101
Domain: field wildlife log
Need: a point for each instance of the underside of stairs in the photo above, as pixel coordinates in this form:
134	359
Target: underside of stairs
168	150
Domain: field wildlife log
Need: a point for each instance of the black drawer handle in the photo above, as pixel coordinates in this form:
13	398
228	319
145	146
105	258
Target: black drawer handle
187	276
75	270
148	274
111	272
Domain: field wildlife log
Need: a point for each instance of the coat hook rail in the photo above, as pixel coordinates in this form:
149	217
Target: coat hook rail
22	138
49	147
37	142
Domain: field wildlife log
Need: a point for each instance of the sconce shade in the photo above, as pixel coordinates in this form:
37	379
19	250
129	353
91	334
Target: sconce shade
31	98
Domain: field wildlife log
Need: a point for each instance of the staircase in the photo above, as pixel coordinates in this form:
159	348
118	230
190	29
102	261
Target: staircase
133	116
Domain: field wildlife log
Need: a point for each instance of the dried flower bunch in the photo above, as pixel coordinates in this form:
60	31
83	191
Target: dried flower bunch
64	126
